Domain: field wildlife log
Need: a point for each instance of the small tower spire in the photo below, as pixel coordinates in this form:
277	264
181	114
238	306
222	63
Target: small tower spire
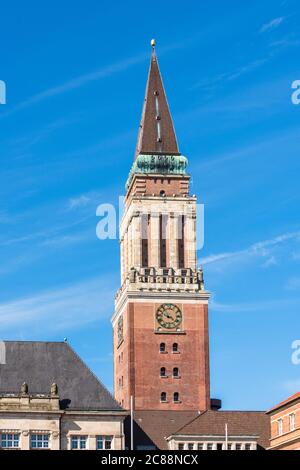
156	132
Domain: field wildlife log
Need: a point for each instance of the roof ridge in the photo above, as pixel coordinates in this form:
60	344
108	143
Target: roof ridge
291	398
31	341
94	375
238	411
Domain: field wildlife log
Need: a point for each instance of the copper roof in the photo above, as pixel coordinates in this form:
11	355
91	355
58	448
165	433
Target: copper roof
156	132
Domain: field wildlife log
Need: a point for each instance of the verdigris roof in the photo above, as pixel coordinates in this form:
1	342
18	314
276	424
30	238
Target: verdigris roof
40	364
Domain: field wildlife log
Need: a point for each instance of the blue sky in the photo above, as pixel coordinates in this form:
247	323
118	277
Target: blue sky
75	81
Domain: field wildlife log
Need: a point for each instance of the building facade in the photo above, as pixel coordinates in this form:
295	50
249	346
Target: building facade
49	399
285	424
191	430
160	323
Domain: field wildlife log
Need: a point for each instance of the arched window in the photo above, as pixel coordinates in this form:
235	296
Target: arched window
175	347
162	371
175	372
163	396
162	347
176	396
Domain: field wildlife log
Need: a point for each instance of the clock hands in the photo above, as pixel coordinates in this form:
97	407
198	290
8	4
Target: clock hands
167	315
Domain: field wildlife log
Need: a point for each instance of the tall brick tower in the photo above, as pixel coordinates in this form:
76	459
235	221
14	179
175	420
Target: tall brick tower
160	324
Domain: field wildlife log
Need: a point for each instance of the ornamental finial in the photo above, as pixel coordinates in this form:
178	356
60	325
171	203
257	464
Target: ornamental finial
153	44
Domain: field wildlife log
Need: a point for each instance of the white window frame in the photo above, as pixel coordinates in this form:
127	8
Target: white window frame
292	421
78	437
280	426
42	440
13	434
105	438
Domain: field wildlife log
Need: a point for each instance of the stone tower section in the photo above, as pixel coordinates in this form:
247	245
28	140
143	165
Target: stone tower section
160	324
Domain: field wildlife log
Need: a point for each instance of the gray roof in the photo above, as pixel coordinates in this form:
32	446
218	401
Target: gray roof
40	364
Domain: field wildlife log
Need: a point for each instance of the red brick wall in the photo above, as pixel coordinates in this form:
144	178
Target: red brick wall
142	359
290	439
152	185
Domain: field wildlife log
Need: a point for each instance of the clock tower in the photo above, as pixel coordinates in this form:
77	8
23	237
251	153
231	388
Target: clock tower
160	324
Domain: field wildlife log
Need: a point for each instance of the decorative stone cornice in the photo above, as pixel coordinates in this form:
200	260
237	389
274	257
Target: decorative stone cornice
158	164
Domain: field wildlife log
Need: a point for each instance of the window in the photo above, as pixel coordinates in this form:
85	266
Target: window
181	235
145	222
292	422
104	442
219	446
163	396
39	441
176	396
9	441
247	446
78	442
229	446
280	426
181	446
238	446
175	347
190	446
175	372
163	372
163	220
200	446
209	446
162	347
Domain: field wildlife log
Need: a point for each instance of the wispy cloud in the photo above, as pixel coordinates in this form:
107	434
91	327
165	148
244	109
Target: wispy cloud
274	48
291	386
248	150
261	249
296	256
77	82
247	307
87	78
293	284
80	201
270	262
273	24
211	83
61	309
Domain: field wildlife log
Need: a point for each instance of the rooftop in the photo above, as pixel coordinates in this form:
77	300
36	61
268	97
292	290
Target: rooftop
40	364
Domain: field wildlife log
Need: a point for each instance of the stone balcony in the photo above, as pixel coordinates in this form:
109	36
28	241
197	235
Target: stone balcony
163	280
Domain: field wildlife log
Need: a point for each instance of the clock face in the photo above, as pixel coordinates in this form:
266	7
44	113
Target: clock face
120	330
169	316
